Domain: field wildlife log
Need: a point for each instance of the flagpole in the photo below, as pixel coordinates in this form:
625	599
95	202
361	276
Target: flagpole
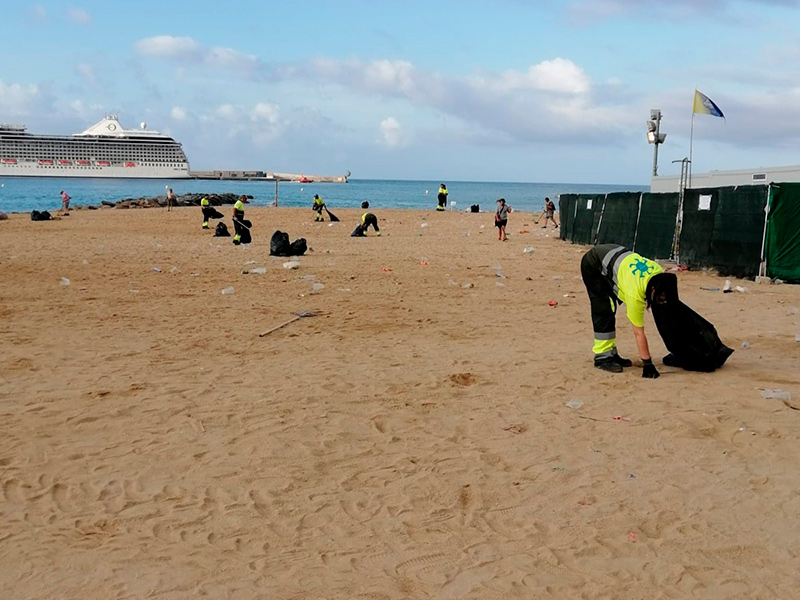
691	139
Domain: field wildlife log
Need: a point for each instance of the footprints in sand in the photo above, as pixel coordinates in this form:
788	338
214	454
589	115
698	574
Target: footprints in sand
12	490
424	567
463	379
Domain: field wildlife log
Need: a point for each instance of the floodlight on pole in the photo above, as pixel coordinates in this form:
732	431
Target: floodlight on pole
654	136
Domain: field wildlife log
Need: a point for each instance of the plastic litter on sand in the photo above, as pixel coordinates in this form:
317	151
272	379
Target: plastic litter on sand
292	264
528	250
258	271
64	281
156	269
770	394
227	291
574	403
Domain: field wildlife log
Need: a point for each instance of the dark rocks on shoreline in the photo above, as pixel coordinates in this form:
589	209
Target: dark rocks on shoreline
161	201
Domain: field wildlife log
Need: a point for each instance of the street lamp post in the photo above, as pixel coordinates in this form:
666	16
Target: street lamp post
654	136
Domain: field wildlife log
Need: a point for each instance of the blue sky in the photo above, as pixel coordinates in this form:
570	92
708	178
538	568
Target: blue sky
510	90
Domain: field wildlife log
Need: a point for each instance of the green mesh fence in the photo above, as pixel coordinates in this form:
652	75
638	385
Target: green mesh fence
618	219
587	217
566	214
656	227
783	232
723	229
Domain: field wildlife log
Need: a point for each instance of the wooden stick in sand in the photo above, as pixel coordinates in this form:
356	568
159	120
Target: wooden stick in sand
297	317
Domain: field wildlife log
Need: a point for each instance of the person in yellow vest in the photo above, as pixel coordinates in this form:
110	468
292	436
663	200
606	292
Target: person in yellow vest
317	207
240	226
442	197
614	275
367	219
205	207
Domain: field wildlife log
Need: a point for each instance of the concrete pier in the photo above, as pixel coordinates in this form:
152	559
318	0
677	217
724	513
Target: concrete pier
268	176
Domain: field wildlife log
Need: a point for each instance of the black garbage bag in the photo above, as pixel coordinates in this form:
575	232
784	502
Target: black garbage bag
359	231
222	230
213	213
476	208
298	247
692	341
279	244
40	216
243	229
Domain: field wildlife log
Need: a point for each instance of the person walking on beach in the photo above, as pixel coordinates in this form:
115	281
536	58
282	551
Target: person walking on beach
442	197
549	213
501	218
317	207
206	209
170	199
64	203
240	226
367	219
614	275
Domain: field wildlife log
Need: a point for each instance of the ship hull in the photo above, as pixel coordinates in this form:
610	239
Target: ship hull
33	169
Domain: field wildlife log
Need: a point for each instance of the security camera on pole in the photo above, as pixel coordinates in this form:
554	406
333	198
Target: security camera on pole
654	136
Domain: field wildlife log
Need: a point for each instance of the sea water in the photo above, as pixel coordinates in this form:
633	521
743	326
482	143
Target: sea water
23	194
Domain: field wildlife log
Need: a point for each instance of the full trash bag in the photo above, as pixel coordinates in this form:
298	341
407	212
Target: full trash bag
279	244
692	341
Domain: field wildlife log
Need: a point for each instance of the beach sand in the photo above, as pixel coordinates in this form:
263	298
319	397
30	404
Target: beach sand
410	441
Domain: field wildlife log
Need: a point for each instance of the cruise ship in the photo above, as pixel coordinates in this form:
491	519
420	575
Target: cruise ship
105	149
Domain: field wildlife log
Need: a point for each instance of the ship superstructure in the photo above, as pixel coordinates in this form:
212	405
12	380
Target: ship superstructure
105	149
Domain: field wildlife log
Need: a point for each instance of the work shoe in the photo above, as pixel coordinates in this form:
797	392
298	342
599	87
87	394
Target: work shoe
378	234
670	360
622	362
608	364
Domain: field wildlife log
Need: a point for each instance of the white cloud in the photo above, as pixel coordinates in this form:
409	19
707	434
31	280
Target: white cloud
550	101
259	124
168	46
39	13
392	134
178	113
560	76
265	113
188	50
79	15
228	58
16	99
227	111
86	72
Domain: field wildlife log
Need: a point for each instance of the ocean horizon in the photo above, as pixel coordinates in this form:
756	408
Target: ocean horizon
24	194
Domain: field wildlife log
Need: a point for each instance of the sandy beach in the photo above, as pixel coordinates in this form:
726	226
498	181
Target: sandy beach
412	440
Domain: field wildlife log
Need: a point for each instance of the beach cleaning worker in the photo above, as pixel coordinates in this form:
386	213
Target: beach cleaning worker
367	219
238	217
206	208
614	275
442	197
318	205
